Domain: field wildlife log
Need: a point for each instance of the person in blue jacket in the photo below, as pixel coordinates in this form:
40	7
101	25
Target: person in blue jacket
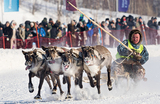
90	32
140	52
130	63
41	31
90	24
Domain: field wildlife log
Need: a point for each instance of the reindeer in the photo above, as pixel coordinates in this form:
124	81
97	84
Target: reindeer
72	66
95	58
37	66
55	62
128	69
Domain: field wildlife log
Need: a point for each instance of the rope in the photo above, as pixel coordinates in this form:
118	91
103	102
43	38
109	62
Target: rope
123	59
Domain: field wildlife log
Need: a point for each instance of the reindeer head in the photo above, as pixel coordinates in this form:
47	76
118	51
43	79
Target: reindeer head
30	58
51	53
88	54
67	59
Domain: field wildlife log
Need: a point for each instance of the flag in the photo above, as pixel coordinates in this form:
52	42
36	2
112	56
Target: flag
69	7
11	5
123	5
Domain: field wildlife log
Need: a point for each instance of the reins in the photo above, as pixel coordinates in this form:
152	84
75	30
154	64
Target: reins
123	59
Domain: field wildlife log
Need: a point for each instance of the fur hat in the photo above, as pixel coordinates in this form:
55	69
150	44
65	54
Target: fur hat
107	22
50	19
112	19
32	24
27	26
135	31
106	19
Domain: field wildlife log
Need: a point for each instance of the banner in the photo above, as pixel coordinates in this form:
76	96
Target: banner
11	5
123	5
69	7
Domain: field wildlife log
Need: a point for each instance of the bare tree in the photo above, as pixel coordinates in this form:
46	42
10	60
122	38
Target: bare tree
46	6
33	6
59	9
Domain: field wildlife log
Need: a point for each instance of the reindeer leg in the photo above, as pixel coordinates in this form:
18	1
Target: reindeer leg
54	84
97	77
48	81
30	85
116	79
89	75
128	78
109	83
69	87
76	81
64	80
59	84
90	79
38	96
80	80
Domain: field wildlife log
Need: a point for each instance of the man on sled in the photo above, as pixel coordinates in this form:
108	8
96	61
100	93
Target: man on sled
129	64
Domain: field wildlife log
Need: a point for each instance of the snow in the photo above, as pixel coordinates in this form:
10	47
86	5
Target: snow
14	84
14	77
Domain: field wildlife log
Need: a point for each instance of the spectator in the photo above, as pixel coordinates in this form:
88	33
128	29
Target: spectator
84	29
131	23
152	23
106	41
118	31
28	34
153	30
95	36
64	29
21	32
49	28
59	35
41	31
13	38
107	19
158	31
123	27
112	27
90	32
54	30
46	27
90	24
81	17
143	28
137	23
8	31
1	29
155	23
80	28
72	29
33	29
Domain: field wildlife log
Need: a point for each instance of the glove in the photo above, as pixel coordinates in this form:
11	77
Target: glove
136	55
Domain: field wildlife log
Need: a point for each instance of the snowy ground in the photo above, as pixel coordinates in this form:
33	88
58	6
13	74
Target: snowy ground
14	84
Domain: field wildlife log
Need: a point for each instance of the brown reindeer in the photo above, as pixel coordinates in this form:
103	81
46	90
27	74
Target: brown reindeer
72	66
54	62
37	66
127	69
95	58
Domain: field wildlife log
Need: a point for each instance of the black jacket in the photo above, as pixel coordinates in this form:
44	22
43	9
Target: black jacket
8	32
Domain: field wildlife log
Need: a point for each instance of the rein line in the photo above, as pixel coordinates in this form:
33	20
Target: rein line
123	59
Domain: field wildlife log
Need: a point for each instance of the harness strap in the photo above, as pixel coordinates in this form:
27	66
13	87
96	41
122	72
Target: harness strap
43	61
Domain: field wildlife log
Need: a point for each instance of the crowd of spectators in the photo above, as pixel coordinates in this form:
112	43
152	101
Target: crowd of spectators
83	32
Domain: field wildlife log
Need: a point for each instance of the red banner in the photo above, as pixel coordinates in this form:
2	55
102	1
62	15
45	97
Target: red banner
69	7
